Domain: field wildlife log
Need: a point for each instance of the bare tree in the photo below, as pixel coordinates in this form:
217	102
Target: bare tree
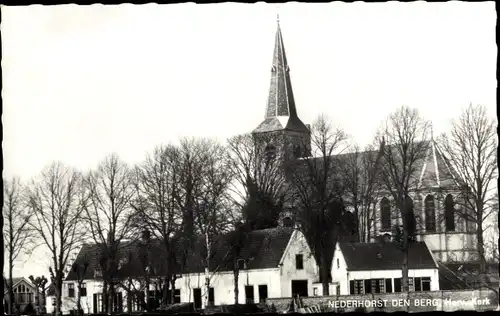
259	181
108	217
156	184
404	143
471	148
361	181
317	192
213	204
17	232
56	200
493	240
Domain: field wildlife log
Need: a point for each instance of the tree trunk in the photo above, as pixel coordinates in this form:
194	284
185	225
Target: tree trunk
58	291
172	287
105	304
324	275
148	304
207	286
78	303
236	285
11	286
129	297
406	285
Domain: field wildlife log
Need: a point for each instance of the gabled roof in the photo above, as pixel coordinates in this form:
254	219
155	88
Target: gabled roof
15	282
261	249
385	256
281	112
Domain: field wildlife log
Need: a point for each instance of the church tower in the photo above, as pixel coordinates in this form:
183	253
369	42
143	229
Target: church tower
282	129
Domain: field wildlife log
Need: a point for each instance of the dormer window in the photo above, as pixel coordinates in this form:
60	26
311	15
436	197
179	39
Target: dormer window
379	255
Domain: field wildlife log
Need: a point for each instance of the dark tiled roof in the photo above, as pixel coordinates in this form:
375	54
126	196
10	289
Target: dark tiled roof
425	172
365	256
262	249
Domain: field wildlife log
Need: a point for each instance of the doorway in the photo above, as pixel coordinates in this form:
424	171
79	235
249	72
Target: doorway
299	287
197	298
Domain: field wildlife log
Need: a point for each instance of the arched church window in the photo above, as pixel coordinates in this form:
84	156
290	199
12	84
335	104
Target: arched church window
287	222
385	213
449	213
410	217
430	214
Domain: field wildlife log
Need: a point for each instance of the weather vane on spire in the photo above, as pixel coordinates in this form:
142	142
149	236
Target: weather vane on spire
278	18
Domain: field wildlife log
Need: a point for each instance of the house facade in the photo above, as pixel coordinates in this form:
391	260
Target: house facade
274	263
364	268
25	295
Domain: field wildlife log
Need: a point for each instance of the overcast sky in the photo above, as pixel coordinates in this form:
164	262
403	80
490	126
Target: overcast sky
80	82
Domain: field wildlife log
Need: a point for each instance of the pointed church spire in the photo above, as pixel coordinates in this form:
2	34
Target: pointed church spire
281	112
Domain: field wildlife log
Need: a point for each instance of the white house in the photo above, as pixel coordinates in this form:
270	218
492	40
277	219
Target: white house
362	268
278	263
24	294
273	263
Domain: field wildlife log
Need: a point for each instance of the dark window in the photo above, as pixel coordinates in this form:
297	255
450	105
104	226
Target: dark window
430	214
388	285
177	296
83	290
299	262
418	285
249	297
385	213
338	263
378	285
449	213
262	293
368	286
358	287
53	301
398	285
337	289
426	284
71	290
211	296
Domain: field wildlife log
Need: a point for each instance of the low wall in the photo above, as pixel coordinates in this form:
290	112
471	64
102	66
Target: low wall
391	302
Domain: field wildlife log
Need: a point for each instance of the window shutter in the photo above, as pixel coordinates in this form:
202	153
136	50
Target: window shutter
351	287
